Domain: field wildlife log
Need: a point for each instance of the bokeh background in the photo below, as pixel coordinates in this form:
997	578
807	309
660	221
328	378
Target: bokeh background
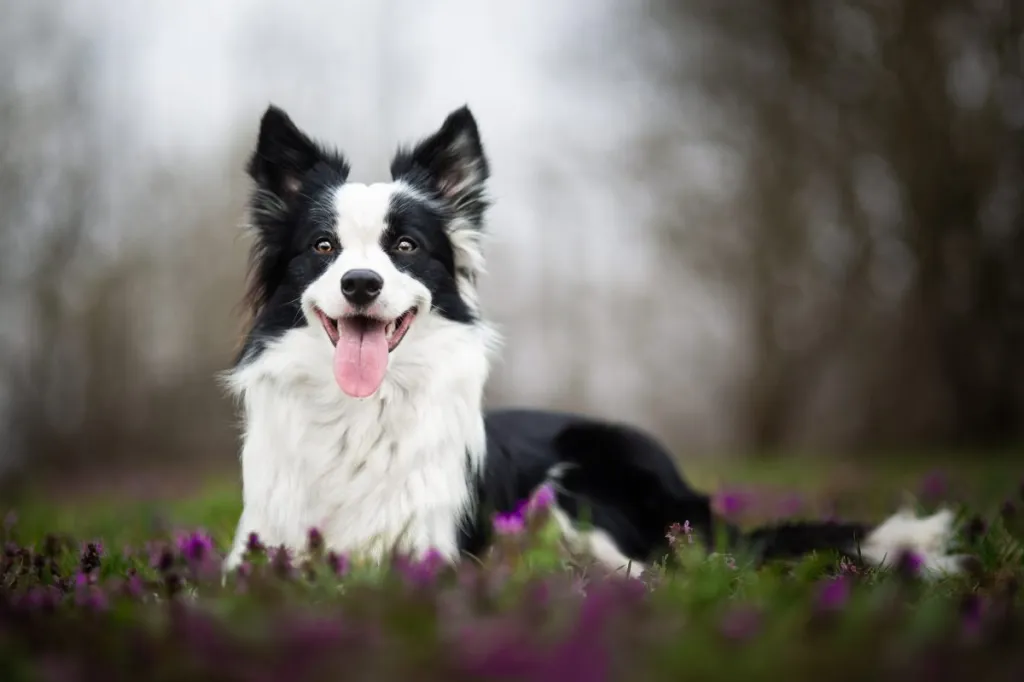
755	227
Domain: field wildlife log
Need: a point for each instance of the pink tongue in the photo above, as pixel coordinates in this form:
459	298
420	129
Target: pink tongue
361	357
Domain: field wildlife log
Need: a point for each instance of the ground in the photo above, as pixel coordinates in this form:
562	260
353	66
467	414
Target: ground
130	509
148	582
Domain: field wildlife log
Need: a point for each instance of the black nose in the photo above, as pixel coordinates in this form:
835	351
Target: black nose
361	287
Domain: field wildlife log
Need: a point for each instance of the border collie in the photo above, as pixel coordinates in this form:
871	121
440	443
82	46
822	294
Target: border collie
362	379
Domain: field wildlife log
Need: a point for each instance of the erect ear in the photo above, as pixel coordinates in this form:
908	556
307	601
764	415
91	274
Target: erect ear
283	155
450	163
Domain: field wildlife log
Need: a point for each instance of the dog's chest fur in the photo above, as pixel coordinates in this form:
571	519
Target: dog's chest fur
390	471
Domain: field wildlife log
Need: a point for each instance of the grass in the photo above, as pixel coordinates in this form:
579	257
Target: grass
847	488
150	600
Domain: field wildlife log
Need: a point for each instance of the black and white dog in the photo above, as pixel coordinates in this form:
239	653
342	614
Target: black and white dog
363	373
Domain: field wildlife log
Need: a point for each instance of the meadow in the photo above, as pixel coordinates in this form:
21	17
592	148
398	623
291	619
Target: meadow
112	585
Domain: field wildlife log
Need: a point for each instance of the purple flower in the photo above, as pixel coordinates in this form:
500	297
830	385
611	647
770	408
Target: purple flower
253	545
133	587
281	562
543	498
315	540
195	546
9	520
909	564
509	524
34	599
675	532
50	597
338	563
848	567
433	559
90	557
730	504
583	655
88	595
421	572
833	594
96	600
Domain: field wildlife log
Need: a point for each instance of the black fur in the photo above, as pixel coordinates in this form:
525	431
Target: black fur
293	175
433	263
620	480
449	166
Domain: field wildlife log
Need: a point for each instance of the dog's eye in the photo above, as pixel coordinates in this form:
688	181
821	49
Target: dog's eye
405	245
323	246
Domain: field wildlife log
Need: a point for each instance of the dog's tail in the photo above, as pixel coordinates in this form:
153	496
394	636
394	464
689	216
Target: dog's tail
635	494
924	541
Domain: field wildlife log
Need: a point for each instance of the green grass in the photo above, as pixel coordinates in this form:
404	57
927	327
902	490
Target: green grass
528	610
851	489
214	506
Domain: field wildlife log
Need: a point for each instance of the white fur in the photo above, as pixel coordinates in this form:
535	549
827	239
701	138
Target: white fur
598	544
375	474
361	211
928	537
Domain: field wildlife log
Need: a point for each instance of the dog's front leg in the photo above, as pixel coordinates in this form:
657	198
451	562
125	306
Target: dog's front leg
248	523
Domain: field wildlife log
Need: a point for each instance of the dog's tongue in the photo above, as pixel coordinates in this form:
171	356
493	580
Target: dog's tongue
361	356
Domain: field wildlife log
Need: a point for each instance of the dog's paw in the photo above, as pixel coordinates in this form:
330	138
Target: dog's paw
928	538
230	564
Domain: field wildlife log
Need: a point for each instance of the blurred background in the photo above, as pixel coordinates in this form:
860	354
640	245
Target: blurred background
755	227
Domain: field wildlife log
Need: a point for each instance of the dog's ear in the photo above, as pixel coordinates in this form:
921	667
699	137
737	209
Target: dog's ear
283	155
450	163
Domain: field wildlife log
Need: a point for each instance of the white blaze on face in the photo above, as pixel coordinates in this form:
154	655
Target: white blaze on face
362	352
362	211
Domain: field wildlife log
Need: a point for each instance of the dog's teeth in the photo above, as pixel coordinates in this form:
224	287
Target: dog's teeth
389	329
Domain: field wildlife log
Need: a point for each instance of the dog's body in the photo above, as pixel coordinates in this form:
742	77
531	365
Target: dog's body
363	374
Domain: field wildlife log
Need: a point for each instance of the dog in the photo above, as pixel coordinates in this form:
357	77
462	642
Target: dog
361	382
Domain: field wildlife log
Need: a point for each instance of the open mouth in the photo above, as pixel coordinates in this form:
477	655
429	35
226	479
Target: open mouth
362	346
362	326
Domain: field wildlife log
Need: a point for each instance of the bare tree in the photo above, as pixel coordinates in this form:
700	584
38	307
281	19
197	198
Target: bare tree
878	214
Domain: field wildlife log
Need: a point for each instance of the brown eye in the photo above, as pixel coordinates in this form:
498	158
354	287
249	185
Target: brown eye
405	245
323	246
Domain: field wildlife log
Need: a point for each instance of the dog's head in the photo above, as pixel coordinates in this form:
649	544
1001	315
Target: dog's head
366	263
